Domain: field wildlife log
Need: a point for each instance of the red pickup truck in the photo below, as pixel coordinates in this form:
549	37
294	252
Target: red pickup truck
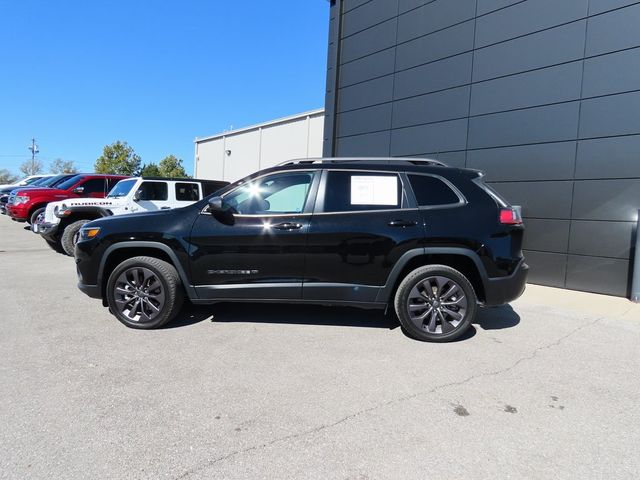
26	205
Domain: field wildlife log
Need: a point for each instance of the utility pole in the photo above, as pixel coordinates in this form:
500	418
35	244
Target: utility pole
34	149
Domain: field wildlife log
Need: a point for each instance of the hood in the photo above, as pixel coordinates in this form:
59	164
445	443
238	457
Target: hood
52	192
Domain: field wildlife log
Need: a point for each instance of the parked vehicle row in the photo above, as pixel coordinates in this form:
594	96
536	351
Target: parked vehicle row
430	242
62	220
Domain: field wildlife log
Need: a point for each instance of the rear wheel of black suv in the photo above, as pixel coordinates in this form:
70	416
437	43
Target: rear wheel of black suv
144	292
435	303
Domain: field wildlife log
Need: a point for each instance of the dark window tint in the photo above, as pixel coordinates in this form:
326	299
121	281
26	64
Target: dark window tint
154	191
187	192
69	182
431	191
95	185
361	191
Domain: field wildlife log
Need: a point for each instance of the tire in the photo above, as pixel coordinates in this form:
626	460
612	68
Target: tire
435	303
34	215
70	235
135	304
55	246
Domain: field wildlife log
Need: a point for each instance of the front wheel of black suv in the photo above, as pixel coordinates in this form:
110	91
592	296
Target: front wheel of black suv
435	303
144	292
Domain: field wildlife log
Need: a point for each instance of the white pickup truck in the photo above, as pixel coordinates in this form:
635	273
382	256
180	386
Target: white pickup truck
61	223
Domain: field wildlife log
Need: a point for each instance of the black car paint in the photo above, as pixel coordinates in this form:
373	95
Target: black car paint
333	258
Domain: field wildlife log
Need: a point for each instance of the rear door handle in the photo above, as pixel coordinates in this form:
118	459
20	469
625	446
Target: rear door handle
402	223
288	226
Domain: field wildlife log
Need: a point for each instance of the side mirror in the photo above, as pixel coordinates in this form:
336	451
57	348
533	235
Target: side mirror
137	195
216	205
78	190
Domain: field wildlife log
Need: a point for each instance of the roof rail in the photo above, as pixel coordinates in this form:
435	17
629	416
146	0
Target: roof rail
389	160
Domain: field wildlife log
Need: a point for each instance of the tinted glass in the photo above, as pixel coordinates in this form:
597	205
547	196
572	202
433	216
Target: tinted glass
361	191
189	192
431	191
69	183
278	193
57	180
33	182
157	191
95	185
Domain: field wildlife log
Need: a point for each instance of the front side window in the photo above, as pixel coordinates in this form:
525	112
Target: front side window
431	191
95	185
349	191
275	194
187	192
153	191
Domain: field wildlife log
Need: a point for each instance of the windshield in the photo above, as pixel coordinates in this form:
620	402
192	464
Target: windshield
37	181
52	181
33	181
69	183
121	189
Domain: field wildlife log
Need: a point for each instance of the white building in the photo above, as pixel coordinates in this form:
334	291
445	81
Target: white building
234	154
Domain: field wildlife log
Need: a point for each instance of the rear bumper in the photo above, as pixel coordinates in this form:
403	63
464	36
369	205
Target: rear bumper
499	291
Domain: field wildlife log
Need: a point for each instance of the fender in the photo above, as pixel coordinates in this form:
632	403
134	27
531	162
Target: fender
102	212
385	292
191	293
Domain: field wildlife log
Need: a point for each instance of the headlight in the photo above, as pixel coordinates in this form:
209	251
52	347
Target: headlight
21	199
61	211
88	233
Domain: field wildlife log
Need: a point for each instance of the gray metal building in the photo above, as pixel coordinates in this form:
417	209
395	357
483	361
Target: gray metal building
543	95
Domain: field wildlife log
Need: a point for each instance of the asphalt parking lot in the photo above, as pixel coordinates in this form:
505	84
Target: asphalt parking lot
547	387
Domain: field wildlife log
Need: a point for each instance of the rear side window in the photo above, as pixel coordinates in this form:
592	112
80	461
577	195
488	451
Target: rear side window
187	192
431	191
154	191
361	191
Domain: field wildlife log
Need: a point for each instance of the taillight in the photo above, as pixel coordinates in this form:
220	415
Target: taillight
510	216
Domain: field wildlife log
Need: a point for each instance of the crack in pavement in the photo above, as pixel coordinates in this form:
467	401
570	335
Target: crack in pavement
405	398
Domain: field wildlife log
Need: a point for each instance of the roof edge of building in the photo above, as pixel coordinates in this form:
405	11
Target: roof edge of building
270	123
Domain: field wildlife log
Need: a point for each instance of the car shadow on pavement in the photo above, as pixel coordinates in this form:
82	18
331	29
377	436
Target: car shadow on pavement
283	314
497	318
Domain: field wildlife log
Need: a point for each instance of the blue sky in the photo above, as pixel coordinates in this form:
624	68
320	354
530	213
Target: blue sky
77	75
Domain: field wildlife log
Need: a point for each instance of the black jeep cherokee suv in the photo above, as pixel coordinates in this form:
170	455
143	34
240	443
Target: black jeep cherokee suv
435	242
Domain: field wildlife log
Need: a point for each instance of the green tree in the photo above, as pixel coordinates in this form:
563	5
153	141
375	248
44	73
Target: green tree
6	176
150	170
118	159
59	166
171	166
32	166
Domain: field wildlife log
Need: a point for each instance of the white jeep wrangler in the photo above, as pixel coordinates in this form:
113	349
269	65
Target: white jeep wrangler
61	222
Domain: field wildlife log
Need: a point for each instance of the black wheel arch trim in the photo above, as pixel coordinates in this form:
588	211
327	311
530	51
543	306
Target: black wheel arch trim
189	289
384	295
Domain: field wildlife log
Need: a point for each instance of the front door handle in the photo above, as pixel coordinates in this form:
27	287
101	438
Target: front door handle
402	223
288	226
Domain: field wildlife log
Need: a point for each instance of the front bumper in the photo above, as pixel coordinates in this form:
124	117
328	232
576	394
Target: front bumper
45	229
18	212
499	291
91	290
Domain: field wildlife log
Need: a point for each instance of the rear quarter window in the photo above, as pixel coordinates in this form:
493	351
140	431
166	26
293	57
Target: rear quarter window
187	192
432	192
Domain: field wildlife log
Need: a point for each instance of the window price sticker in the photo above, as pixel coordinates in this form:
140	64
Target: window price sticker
374	190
